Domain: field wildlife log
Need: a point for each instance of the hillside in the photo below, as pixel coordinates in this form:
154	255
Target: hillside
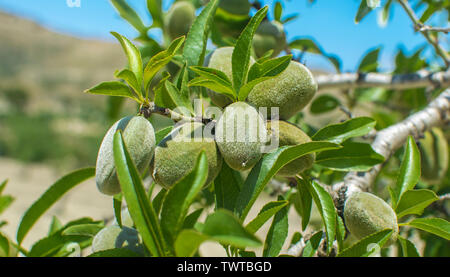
44	114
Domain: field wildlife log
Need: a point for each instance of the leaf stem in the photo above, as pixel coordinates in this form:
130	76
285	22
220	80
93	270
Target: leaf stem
419	26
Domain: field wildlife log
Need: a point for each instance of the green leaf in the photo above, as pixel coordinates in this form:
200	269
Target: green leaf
340	233
367	245
289	18
115	253
354	156
155	9
197	38
325	205
312	245
408	248
269	68
261	72
370	61
4	245
269	210
113	108
306	45
83	229
180	197
5	202
55	226
160	60
50	196
168	96
363	10
191	219
278	233
268	166
409	172
278	11
183	81
385	12
213	85
113	88
188	242
3	185
227	186
303	202
127	13
130	78
158	200
436	226
338	133
225	228
247	254
117	205
324	103
414	202
161	134
213	75
335	61
241	55
133	55
56	244
141	209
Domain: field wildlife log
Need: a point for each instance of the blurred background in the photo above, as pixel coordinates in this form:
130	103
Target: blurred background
52	50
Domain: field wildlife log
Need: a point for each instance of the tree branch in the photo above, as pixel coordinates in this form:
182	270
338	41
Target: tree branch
401	81
388	140
153	108
419	26
426	28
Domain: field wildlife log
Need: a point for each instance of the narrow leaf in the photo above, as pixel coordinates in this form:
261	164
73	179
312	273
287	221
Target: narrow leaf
127	13
437	226
50	196
265	214
180	197
113	88
197	38
225	228
242	50
227	186
367	245
141	209
354	156
268	166
325	205
408	248
133	55
338	133
409	174
160	60
414	202
278	233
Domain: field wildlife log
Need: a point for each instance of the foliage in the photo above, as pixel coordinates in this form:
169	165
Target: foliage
163	78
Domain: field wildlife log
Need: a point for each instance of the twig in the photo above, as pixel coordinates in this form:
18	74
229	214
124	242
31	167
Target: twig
400	81
418	26
426	28
147	111
388	140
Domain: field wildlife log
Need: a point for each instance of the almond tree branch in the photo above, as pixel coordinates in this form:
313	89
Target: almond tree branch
153	108
388	140
426	28
368	80
419	25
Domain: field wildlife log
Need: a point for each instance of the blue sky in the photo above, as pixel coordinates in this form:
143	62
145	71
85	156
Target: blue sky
329	22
